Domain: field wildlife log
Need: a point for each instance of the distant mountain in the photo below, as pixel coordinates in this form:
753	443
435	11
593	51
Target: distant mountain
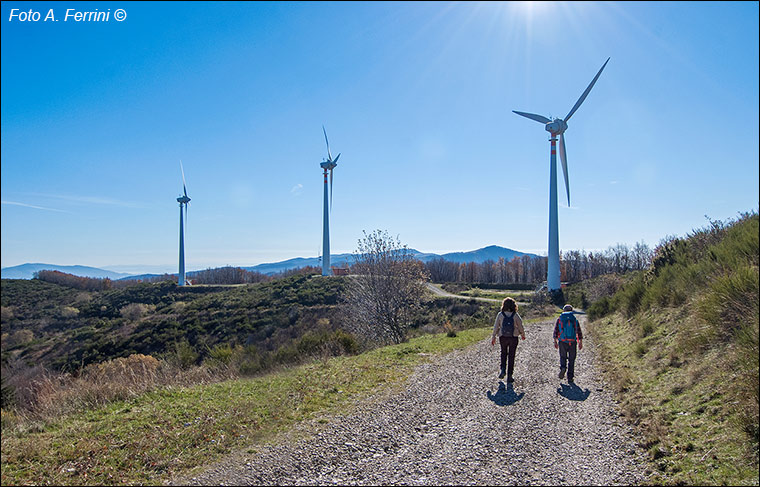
492	252
337	260
26	271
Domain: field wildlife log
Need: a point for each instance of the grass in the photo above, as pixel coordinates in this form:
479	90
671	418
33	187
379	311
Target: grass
171	431
683	406
680	344
498	294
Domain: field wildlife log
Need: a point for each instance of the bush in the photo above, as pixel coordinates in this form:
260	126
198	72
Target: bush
630	296
182	355
135	311
20	337
6	314
69	312
601	308
224	357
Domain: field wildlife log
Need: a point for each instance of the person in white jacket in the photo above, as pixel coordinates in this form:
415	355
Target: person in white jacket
508	326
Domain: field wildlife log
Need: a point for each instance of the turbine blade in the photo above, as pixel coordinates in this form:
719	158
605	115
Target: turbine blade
563	158
329	156
533	116
585	93
184	186
336	158
331	176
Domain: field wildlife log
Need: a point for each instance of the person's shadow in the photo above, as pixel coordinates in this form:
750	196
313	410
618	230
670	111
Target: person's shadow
573	392
505	395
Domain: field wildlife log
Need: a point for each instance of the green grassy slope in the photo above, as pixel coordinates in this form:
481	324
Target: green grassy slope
680	342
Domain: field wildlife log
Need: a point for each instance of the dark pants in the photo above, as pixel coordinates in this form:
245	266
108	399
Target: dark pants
508	349
567	351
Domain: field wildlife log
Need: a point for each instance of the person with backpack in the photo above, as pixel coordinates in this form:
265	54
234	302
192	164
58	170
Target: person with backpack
567	332
507	327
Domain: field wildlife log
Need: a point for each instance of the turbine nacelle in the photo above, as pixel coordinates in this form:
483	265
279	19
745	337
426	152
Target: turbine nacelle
557	127
328	165
183	200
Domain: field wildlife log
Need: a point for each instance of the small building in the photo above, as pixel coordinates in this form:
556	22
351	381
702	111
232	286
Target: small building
340	271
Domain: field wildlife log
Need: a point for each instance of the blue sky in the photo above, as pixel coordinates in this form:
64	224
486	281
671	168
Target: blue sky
418	99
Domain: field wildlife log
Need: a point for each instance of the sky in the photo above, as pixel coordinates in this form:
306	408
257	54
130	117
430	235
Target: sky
416	97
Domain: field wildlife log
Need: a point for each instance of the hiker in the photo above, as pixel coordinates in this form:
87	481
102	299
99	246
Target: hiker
507	327
567	331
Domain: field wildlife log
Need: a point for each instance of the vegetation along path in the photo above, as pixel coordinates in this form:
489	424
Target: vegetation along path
454	422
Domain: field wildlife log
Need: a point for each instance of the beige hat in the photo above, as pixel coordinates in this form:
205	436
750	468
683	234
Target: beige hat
567	308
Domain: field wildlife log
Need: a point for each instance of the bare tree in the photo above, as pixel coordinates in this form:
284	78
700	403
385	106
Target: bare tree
385	290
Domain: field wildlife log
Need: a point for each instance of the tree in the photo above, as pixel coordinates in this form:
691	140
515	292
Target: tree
385	290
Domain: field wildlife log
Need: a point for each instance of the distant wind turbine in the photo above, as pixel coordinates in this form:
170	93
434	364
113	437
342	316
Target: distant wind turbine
327	165
557	127
183	200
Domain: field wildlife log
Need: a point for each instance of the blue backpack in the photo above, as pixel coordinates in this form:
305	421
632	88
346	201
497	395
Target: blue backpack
508	325
567	327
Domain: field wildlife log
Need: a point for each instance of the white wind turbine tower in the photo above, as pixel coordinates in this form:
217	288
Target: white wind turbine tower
557	127
327	165
183	201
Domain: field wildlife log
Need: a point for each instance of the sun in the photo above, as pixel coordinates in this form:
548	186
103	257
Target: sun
531	8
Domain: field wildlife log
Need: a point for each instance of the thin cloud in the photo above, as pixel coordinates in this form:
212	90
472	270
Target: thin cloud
91	200
16	203
296	190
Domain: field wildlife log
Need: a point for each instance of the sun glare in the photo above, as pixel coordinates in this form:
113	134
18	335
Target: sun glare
531	8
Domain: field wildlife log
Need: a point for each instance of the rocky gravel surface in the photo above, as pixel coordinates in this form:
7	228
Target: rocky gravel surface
455	423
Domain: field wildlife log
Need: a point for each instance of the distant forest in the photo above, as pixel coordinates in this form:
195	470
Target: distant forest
575	266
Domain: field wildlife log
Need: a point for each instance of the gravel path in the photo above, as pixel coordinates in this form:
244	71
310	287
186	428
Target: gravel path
456	423
440	292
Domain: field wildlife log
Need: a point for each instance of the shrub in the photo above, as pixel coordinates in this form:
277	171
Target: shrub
20	337
601	308
135	311
6	314
449	329
252	361
224	357
69	312
182	355
631	294
346	341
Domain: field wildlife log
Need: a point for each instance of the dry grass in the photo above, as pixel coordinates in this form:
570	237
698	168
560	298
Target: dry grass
43	395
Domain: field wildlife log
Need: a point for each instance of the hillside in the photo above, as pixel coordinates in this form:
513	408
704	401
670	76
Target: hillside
680	342
56	326
275	322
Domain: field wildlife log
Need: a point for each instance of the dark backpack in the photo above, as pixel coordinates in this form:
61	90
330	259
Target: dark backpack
508	325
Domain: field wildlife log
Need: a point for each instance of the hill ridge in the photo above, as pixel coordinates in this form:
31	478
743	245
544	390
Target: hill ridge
490	252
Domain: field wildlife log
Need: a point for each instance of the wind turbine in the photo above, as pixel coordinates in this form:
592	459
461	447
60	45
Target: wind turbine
327	165
182	200
557	127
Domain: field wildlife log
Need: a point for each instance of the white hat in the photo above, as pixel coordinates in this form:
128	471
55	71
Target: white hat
567	308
